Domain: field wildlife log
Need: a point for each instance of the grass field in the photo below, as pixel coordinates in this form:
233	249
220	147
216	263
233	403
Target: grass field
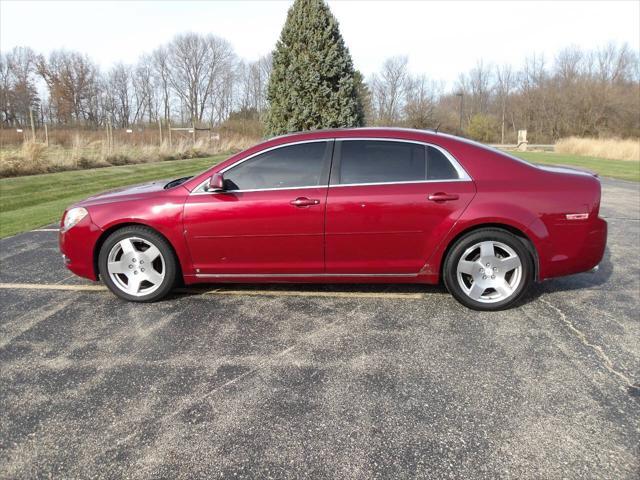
622	169
36	200
33	201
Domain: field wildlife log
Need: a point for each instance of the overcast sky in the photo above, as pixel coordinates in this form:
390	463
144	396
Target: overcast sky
441	39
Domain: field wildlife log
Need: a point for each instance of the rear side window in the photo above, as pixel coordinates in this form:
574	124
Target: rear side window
300	165
373	161
438	166
379	161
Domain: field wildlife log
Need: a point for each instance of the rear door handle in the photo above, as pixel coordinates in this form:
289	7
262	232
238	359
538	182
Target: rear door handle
304	202
443	197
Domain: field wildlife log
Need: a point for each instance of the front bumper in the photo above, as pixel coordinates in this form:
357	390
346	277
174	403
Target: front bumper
77	246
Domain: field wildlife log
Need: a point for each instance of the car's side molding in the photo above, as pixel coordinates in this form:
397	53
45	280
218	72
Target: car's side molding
303	275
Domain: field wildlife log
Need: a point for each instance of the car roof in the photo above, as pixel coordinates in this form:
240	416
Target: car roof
346	132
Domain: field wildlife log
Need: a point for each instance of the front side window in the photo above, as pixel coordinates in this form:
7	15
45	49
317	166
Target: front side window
300	165
378	161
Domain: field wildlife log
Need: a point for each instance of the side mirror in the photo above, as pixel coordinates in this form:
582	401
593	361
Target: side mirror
216	184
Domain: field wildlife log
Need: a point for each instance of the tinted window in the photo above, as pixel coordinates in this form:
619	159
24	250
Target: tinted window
293	166
438	166
372	161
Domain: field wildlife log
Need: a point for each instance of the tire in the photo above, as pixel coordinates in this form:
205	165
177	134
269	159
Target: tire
137	264
488	269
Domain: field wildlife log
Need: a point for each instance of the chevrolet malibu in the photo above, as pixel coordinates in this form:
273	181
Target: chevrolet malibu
352	205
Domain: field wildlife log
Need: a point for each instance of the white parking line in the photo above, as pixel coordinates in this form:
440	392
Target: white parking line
46	230
222	291
52	286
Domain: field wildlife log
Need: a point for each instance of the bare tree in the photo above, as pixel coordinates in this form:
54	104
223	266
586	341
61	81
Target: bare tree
388	90
5	89
480	87
252	78
504	87
17	85
144	89
420	101
120	91
197	68
73	83
162	78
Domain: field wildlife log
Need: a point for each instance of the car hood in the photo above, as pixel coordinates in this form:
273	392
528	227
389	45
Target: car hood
132	192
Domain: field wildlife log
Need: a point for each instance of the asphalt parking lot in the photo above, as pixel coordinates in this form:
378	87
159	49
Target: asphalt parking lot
331	381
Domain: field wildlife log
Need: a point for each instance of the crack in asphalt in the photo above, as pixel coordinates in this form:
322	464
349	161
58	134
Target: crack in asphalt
605	360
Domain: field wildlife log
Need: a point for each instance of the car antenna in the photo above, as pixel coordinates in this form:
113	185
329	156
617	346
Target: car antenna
437	127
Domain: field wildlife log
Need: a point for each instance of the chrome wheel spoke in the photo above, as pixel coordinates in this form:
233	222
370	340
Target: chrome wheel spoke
503	288
117	267
153	277
152	253
465	266
133	286
487	250
127	246
508	264
476	291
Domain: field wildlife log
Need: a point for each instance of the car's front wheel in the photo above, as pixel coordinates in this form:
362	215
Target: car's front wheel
488	269
137	264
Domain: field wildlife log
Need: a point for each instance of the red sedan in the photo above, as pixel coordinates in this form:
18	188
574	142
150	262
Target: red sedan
352	205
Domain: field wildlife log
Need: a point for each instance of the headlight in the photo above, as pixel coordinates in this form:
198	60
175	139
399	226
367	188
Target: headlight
73	216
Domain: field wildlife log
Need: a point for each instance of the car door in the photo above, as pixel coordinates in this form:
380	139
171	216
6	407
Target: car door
270	218
389	204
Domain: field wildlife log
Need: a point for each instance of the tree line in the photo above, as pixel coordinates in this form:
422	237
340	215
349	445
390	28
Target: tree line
199	79
193	78
578	92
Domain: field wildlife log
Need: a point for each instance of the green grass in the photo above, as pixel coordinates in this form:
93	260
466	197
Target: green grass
622	169
36	200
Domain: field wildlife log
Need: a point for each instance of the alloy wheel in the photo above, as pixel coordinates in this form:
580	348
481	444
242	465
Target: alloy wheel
489	271
136	266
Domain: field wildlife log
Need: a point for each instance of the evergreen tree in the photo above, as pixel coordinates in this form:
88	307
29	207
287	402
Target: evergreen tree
365	113
312	82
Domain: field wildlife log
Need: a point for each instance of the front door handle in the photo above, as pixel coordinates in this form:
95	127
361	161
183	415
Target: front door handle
443	197
304	202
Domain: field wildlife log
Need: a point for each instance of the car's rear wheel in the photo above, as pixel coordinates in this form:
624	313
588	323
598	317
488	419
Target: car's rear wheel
137	264
488	269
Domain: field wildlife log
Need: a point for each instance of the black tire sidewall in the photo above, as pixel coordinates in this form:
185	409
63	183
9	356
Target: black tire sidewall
461	245
156	239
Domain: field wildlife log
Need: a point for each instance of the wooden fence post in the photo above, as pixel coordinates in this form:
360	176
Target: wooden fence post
160	128
169	127
46	135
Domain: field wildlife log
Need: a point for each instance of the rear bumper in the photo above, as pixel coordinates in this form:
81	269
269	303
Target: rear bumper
597	243
77	248
575	247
